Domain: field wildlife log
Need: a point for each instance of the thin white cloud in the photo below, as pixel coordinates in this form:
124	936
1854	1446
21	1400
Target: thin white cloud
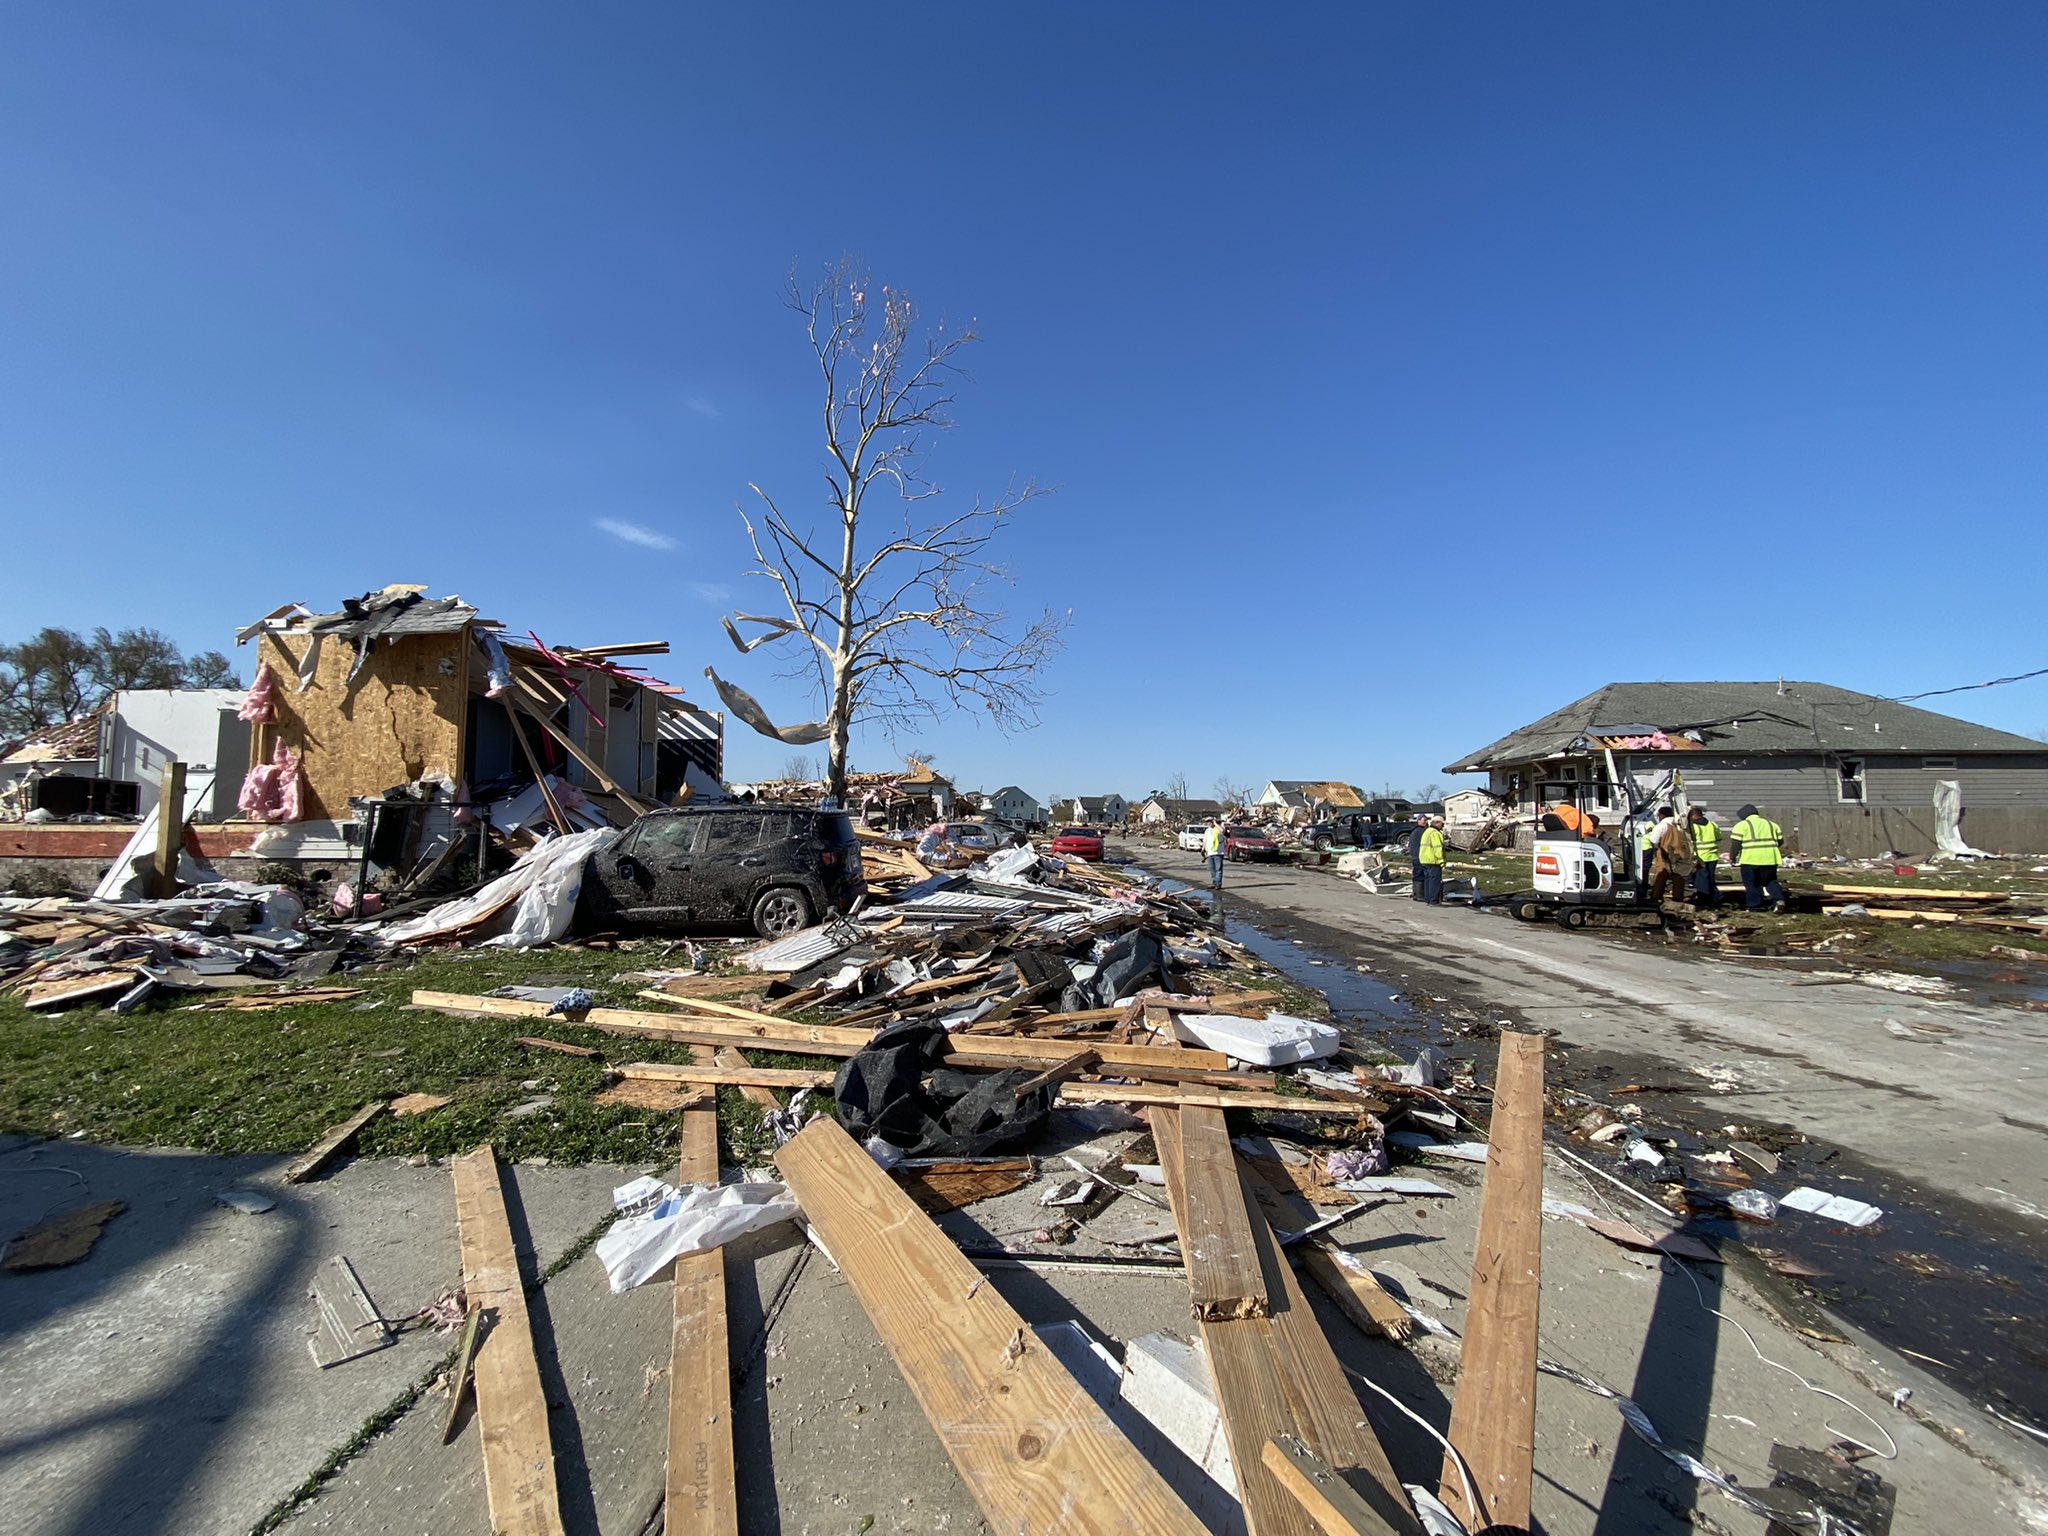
635	533
697	405
711	591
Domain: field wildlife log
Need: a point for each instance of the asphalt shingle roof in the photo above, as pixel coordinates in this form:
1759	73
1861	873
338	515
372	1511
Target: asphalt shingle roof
1746	718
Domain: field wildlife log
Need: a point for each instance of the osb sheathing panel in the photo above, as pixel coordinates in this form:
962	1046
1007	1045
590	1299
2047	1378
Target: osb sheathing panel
400	720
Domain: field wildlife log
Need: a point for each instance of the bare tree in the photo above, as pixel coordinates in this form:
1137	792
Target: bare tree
892	615
1430	793
1177	787
1232	793
800	768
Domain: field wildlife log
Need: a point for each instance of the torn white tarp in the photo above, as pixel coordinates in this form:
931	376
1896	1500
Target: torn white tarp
531	903
1948	822
686	1221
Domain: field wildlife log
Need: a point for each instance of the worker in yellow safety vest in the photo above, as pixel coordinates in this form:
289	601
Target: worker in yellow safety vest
1759	849
1212	844
1706	848
1429	858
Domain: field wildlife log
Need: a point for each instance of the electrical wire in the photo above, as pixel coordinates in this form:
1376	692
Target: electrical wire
1996	682
1457	1456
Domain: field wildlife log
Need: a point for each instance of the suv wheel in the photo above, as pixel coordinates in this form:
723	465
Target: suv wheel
780	912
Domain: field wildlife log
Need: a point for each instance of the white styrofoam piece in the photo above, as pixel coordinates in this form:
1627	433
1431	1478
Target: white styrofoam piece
1167	1380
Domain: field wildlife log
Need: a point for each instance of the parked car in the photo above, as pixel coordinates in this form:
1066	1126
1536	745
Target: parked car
1242	843
780	868
1355	829
1194	837
980	835
1081	842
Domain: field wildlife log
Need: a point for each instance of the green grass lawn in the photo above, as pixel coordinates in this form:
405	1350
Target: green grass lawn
271	1082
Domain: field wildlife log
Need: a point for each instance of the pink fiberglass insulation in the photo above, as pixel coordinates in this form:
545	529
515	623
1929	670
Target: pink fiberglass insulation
273	791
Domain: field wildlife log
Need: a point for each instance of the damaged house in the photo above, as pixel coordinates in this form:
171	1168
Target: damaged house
402	695
1843	772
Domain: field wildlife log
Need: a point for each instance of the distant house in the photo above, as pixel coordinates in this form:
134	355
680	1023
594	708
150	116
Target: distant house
1299	800
1160	811
130	739
1094	810
1844	772
1011	804
928	791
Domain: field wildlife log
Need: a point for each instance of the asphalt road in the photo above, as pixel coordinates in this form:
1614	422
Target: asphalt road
1957	1108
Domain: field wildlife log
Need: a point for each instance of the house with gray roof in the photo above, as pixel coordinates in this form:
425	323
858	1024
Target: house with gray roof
1843	772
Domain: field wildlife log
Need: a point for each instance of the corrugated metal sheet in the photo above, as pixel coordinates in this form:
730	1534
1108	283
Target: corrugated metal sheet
799	950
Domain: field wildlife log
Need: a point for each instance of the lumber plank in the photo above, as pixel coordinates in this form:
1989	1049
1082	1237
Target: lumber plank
1069	1093
1358	1294
1031	1445
1326	1497
702	1497
1224	1276
538	1043
727	1056
1277	1375
511	1409
1493	1414
590	764
322	1151
766	1030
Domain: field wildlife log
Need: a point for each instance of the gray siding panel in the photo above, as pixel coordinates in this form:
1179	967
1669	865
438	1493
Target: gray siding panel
1986	781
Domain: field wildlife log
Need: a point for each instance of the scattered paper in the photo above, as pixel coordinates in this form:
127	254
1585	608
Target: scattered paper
1819	1202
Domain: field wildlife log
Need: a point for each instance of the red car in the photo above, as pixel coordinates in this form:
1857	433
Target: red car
1081	842
1241	843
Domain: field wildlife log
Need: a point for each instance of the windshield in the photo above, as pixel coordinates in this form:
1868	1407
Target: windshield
1246	832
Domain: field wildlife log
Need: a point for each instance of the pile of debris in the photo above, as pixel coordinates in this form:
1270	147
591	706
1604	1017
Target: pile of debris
964	1015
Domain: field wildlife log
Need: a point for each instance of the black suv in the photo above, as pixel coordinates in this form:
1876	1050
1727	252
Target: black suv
1356	829
777	867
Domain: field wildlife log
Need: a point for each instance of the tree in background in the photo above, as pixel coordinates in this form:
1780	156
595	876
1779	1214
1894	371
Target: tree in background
889	614
1177	787
801	768
1429	794
58	674
1233	794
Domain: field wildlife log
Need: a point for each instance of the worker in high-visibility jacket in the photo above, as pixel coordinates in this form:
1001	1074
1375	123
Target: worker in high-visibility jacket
1429	858
1759	845
1212	844
1706	848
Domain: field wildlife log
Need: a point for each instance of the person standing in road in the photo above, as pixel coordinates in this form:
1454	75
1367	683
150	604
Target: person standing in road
1415	837
1706	848
1429	858
1212	844
1759	845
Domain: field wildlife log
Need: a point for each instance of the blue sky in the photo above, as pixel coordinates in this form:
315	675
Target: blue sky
1406	371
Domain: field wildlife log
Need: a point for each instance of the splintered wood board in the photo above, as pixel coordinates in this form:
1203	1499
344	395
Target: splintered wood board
322	1151
1224	1277
1031	1445
1277	1375
702	1498
1493	1415
511	1409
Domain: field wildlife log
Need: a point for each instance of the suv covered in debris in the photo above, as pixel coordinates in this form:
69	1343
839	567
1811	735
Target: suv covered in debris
780	868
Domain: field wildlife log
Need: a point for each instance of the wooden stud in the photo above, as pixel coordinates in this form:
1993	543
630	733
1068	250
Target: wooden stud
1224	1277
1031	1445
170	831
702	1495
1327	1498
511	1408
323	1150
1493	1415
1059	1071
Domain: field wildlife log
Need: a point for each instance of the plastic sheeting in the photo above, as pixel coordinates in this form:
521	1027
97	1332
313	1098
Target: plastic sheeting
539	893
639	1246
1948	822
